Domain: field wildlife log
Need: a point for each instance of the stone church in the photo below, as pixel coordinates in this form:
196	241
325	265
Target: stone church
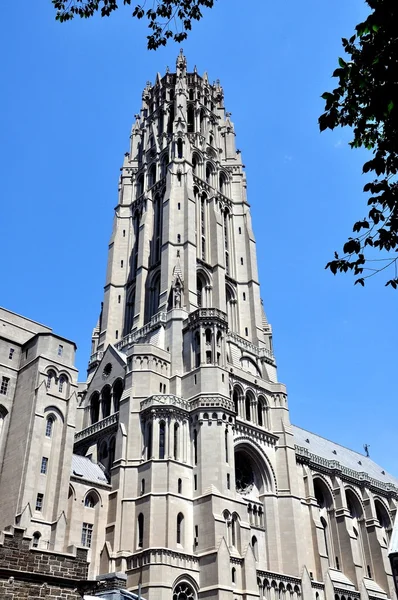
176	464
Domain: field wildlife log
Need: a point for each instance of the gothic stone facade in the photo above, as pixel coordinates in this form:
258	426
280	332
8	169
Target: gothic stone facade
176	462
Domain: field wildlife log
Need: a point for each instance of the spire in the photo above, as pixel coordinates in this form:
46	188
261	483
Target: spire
181	64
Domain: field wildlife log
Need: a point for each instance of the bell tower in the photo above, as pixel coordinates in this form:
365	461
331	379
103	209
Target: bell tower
196	473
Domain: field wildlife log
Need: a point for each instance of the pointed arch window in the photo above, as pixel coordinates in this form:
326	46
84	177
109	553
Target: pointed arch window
195	447
179	148
162	437
90	501
140	541
176	440
36	539
180	529
136	229
191	117
248	407
149	441
255	547
158	223
152	175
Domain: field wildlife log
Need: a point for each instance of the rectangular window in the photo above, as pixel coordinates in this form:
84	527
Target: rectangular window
228	481
87	534
60	350
195	482
4	385
10	354
44	464
39	502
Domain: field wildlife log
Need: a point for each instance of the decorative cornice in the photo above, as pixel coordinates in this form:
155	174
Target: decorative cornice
335	467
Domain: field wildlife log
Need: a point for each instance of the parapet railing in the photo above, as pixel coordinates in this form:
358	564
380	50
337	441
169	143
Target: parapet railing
249	346
96	427
335	465
135	336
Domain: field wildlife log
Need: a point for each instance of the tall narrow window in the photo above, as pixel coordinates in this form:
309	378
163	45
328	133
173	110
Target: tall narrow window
203	227
49	426
5	381
325	536
175	441
260	412
157	228
179	486
149	441
44	464
195	447
50	377
233	574
179	148
60	350
39	502
199	288
162	433
226	445
142	492
180	526
191	118
36	539
247	407
255	547
61	383
171	118
136	230
11	353
87	534
140	541
226	242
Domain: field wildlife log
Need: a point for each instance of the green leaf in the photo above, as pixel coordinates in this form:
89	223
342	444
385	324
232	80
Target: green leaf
342	63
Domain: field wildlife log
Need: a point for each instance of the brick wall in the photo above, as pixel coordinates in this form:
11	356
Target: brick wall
28	573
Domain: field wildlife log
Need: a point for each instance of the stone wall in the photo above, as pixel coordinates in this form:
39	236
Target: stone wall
30	573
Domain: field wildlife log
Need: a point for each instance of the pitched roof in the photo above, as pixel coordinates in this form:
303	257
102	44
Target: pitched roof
83	467
319	446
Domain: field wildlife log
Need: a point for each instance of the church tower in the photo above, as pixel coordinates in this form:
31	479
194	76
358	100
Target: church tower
183	404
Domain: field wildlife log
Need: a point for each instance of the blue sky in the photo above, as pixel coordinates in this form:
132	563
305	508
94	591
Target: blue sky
69	95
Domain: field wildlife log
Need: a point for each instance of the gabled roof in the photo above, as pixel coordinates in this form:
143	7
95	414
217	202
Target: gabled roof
319	446
82	467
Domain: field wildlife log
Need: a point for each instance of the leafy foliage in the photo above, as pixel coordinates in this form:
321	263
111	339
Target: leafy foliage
366	99
167	19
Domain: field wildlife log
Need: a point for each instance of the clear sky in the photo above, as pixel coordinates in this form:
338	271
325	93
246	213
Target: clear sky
68	97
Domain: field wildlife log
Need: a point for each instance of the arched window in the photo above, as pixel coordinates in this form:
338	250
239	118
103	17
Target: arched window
191	118
209	174
117	394
158	223
202	121
136	247
152	175
140	541
180	529
199	291
197	348
61	382
154	296
222	182
233	575
49	426
248	407
140	185
171	118
226	445
106	401
226	241
195	447
260	412
162	434
384	520
195	163
149	441
179	486
203	226
179	148
95	407
50	376
90	501
231	302
130	306
36	539
255	547
112	447
325	535
165	162
142	491
175	441
183	591
236	398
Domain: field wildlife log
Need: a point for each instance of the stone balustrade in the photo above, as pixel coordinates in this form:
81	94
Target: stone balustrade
96	427
135	336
